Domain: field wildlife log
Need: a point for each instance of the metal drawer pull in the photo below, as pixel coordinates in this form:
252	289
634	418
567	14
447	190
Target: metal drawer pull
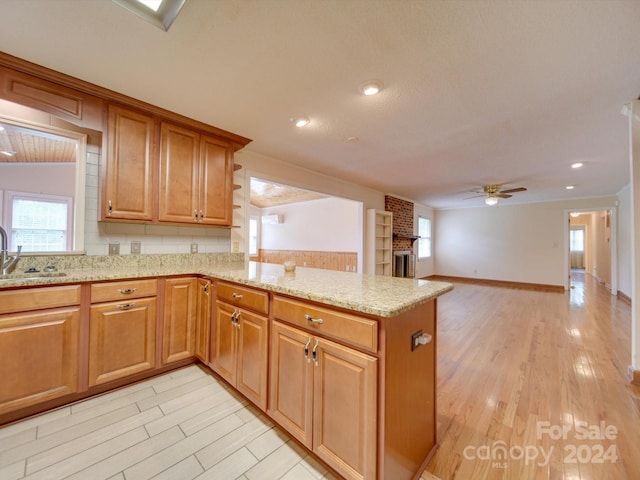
236	295
126	306
314	354
306	350
309	318
126	291
238	320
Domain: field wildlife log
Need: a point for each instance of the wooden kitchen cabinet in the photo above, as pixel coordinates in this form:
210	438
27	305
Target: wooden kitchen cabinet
196	178
203	320
38	348
129	172
325	395
180	313
122	333
241	340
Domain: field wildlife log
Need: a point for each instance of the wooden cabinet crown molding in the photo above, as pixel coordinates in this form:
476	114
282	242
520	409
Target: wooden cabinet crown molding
43	73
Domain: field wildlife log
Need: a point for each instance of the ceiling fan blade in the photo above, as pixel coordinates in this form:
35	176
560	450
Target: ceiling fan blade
514	190
502	195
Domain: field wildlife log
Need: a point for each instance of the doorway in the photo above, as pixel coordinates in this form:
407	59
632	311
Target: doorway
591	246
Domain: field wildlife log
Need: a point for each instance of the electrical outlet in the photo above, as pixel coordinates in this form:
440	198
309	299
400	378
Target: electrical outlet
135	248
194	247
235	247
114	249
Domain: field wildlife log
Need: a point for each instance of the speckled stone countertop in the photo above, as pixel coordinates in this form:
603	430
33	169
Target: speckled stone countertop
375	295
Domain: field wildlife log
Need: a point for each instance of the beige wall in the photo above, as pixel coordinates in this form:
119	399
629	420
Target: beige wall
518	243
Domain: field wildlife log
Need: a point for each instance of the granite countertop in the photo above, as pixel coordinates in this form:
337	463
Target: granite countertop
371	294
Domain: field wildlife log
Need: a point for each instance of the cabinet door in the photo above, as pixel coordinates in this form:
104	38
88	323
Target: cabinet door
251	379
203	320
224	361
48	367
122	339
216	182
178	335
129	172
291	381
345	409
179	151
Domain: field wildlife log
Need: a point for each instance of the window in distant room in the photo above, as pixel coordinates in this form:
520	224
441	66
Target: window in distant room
424	242
253	235
40	223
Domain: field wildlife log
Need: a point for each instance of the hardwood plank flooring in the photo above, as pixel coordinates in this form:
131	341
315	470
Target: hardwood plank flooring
514	368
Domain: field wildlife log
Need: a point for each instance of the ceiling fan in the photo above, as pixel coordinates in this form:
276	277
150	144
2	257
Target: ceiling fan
493	192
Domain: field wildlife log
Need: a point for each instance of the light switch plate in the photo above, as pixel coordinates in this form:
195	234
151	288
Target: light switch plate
135	248
114	249
194	247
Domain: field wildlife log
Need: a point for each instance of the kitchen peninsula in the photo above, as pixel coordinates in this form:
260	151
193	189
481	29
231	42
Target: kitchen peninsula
344	362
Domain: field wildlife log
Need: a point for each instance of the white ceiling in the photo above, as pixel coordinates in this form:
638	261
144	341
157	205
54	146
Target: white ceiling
476	92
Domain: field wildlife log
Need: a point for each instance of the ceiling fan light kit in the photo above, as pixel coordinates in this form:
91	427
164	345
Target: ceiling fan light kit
494	191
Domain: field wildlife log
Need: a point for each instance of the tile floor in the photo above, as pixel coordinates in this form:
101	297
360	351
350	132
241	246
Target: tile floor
182	425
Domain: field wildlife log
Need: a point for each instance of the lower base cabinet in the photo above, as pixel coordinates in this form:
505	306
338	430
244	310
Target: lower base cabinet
180	314
122	339
241	351
38	357
325	395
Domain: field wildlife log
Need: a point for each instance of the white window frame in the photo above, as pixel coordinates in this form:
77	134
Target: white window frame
423	237
10	196
256	219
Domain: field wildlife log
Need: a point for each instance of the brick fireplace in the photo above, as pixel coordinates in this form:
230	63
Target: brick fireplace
403	236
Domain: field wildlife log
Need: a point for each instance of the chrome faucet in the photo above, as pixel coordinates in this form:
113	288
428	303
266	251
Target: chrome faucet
6	262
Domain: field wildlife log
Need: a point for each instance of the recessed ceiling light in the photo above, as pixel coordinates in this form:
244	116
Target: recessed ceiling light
575	214
300	121
371	87
576	165
570	187
352	139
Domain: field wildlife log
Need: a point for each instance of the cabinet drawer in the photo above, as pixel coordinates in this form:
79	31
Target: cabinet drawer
350	329
115	291
243	297
39	298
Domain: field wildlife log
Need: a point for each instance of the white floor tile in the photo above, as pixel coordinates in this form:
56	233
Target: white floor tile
87	458
267	442
34	422
131	456
80	444
187	469
276	464
231	467
177	452
225	446
13	471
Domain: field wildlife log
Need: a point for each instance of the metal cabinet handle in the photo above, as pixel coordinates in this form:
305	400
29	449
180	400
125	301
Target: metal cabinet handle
306	350
126	306
238	319
236	295
315	354
309	318
109	209
195	215
126	291
201	216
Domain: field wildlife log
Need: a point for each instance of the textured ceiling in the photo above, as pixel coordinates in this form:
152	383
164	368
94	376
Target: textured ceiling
476	92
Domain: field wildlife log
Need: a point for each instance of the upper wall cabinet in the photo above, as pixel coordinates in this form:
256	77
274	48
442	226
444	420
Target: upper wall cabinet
196	178
128	173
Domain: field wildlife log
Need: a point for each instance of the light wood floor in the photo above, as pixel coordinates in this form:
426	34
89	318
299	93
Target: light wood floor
510	360
507	359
